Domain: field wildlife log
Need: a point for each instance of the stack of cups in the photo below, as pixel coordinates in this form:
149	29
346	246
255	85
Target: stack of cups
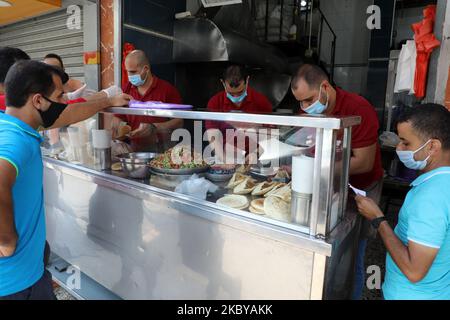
101	142
76	144
302	189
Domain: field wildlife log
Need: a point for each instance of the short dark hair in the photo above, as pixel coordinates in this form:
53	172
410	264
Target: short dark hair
30	77
9	56
55	56
429	121
235	74
312	74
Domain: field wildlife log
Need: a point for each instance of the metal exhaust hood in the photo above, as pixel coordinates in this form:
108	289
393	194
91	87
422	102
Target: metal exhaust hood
201	40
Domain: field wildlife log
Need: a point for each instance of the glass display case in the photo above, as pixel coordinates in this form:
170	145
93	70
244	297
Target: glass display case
279	187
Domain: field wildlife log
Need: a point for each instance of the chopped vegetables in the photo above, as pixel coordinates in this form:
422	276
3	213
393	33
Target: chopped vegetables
178	158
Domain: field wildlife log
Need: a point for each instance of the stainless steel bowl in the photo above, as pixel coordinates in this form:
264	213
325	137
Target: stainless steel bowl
135	164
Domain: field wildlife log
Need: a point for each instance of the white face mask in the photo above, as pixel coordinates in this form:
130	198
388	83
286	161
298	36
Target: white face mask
407	157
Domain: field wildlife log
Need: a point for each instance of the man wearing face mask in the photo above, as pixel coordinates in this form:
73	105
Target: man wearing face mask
237	96
34	100
145	86
418	258
312	88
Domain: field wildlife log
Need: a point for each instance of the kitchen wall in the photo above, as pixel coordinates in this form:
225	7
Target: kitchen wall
156	16
404	19
348	20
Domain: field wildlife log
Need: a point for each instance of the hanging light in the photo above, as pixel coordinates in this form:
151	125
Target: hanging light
4	3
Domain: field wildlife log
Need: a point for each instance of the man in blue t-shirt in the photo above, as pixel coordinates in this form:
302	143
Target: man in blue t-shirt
34	99
418	259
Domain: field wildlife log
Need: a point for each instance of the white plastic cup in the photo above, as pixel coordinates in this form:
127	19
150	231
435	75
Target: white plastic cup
101	139
302	174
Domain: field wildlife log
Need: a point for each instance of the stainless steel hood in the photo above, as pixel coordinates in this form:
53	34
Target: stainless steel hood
201	40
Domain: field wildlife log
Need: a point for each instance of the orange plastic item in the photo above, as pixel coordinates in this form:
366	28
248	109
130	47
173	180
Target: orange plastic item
127	48
426	42
447	92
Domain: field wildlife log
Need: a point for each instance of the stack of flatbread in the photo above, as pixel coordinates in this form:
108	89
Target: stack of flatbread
282	191
276	203
236	179
234	201
263	188
277	208
245	187
257	206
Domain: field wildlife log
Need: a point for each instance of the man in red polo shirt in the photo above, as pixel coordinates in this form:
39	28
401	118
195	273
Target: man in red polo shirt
147	132
238	96
312	88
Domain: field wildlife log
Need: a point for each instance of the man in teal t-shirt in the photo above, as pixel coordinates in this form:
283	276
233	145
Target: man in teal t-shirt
418	259
34	99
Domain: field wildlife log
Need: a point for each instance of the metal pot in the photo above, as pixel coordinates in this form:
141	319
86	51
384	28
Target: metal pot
135	164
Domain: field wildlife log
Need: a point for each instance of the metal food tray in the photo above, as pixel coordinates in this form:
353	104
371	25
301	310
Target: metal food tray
187	171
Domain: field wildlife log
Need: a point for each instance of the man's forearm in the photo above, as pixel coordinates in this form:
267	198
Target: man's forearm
169	125
75	113
398	251
8	234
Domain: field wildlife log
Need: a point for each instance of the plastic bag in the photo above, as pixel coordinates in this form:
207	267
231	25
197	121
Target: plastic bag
196	187
406	68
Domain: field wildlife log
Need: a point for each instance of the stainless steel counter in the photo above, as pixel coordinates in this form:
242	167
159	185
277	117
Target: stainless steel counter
146	242
141	240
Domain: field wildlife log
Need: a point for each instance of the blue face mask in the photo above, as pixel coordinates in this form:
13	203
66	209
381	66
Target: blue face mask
237	100
136	79
407	157
317	107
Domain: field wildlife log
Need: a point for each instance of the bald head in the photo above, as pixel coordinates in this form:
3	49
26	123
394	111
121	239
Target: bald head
311	74
138	68
139	58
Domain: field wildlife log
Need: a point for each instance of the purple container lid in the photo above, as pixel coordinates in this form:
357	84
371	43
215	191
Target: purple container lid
159	105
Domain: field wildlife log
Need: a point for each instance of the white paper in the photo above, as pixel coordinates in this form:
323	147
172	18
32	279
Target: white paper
302	174
357	191
275	149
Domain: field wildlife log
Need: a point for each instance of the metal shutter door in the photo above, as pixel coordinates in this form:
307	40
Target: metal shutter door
48	34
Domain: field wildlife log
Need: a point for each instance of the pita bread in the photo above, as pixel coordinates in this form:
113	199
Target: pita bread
256	211
257	206
243	169
234	202
262	188
123	131
116	166
278	185
246	187
236	179
282	174
278	209
283	193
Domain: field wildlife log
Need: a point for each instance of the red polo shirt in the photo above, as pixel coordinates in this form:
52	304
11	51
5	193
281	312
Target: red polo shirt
363	135
2	102
255	102
160	90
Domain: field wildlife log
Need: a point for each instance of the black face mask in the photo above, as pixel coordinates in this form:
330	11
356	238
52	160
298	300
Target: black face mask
52	114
